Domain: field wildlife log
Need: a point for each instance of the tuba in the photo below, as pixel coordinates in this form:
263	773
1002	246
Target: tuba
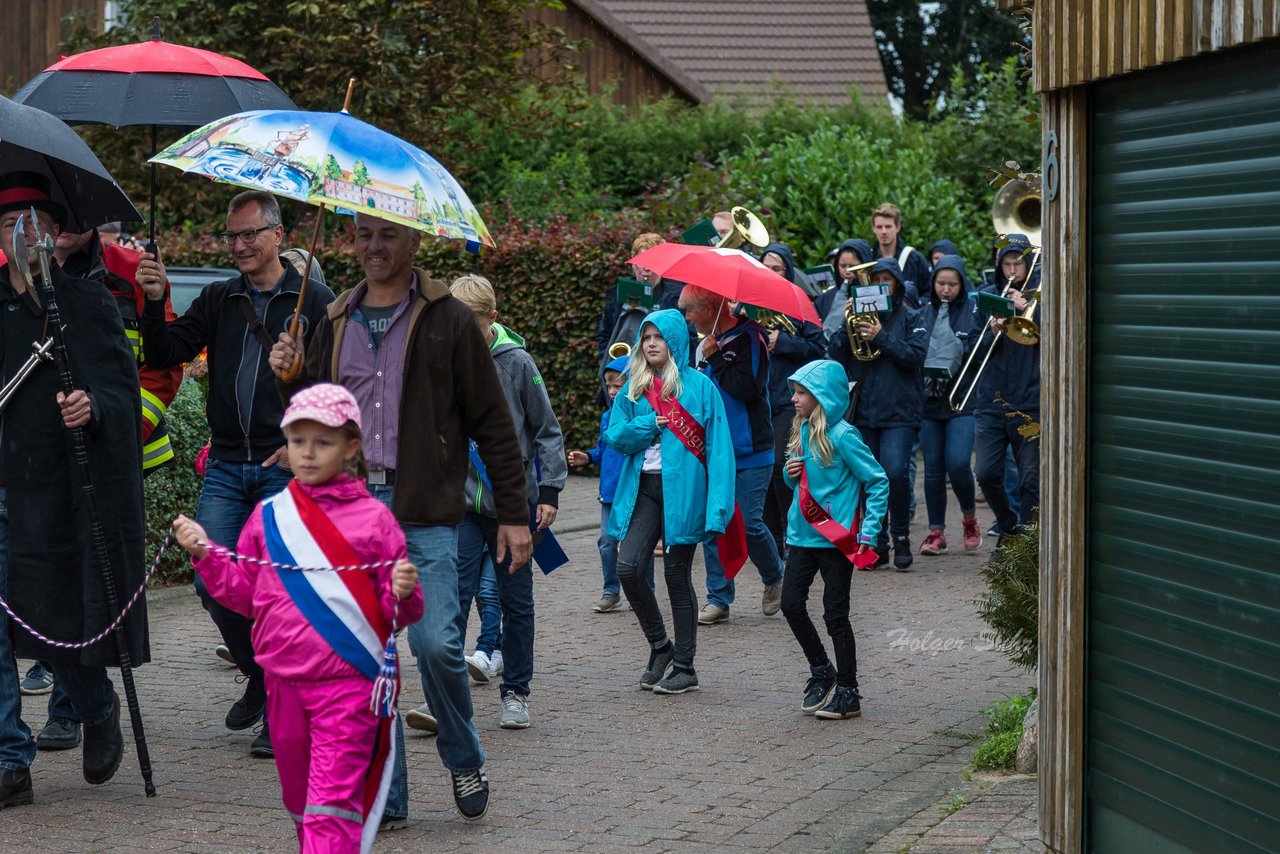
861	347
775	320
747	228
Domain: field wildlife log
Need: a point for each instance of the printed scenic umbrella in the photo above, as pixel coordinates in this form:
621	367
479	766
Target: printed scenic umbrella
153	83
732	274
334	161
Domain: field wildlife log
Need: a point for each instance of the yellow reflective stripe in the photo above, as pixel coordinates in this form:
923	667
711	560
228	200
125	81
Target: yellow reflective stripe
157	452
135	339
153	408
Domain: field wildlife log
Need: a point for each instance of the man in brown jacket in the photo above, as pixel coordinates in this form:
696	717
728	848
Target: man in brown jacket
416	362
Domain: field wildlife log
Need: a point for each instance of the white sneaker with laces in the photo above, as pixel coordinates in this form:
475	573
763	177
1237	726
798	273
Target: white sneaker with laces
495	663
479	666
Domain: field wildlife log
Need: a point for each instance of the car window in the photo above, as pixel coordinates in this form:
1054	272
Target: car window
185	283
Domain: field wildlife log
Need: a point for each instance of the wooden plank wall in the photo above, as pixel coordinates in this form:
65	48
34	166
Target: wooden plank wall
1064	381
1080	41
608	61
31	32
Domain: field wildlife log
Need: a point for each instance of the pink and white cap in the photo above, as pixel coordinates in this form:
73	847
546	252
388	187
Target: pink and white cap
329	404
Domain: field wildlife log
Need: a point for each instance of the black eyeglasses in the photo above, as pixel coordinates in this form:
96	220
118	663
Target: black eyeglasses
248	237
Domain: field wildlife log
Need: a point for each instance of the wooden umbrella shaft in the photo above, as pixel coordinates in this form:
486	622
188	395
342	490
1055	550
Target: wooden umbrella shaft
291	373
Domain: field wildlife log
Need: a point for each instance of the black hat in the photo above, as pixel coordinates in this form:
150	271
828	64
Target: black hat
24	190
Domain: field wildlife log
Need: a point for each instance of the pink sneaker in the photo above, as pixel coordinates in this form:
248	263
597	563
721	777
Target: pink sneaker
934	544
972	536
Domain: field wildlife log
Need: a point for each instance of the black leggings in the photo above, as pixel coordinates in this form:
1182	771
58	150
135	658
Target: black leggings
803	564
643	532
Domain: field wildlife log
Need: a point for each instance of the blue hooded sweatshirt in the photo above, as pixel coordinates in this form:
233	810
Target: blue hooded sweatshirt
1013	374
697	500
946	247
965	322
840	293
609	460
853	472
890	388
790	351
915	277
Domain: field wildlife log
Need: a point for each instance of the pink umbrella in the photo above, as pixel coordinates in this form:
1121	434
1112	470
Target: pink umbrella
730	273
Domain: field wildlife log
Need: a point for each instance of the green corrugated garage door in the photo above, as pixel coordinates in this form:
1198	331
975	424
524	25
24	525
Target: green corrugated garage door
1183	669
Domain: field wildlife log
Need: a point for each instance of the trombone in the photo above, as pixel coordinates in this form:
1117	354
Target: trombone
1015	209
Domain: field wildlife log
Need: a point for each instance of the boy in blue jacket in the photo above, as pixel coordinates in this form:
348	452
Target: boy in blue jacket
610	463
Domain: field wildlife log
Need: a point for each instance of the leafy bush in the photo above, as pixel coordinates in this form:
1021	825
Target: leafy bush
1003	731
176	489
1011	604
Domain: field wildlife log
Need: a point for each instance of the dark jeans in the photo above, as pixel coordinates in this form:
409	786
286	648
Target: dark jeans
948	447
231	491
837	573
777	503
995	433
477	534
891	446
642	535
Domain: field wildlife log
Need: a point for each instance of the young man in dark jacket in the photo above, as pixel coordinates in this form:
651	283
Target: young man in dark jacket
888	397
886	222
735	354
237	320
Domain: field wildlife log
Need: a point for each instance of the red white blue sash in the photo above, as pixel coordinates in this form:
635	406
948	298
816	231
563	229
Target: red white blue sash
343	608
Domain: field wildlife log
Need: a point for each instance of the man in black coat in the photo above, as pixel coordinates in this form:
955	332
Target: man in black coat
48	570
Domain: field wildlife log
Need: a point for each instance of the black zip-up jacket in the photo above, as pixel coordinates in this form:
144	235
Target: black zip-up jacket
217	321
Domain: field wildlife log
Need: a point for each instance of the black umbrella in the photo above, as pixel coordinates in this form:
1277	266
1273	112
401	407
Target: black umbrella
153	83
31	140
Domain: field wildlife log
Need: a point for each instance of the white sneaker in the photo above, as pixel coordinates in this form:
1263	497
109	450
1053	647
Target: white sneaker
496	663
421	719
479	666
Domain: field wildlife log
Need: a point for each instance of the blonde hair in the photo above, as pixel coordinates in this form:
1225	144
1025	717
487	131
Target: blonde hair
475	292
648	240
642	373
357	467
818	440
888	210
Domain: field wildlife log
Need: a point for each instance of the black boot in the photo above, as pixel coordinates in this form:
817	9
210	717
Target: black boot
246	711
103	746
15	788
261	746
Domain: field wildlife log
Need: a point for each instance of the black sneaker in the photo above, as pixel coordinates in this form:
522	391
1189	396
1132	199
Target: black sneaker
677	682
59	734
392	822
817	691
659	662
248	710
902	554
103	747
844	703
261	746
15	788
471	794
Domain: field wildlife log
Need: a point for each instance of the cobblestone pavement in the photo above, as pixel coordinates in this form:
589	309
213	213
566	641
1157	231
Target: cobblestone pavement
605	766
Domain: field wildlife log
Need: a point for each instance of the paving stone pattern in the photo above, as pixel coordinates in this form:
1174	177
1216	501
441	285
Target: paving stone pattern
605	766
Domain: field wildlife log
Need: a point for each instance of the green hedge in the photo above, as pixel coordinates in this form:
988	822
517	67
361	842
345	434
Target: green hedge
176	489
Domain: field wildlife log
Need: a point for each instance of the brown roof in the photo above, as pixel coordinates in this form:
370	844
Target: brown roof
817	49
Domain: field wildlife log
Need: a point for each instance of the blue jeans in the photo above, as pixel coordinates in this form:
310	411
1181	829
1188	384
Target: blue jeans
478	535
437	648
750	487
911	477
948	447
231	491
608	547
1011	481
88	688
489	607
996	435
891	446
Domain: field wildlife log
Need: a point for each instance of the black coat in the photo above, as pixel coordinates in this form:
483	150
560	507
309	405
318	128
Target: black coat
55	581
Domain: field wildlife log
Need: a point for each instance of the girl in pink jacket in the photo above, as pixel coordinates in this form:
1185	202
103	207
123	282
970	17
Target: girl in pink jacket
320	636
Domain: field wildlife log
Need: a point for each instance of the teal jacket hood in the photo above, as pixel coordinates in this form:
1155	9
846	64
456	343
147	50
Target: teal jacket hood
675	331
825	380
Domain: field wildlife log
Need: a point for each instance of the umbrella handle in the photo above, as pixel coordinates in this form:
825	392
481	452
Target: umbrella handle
291	373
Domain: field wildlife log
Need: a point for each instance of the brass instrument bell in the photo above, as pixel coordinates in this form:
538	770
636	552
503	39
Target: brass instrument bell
861	347
747	228
619	349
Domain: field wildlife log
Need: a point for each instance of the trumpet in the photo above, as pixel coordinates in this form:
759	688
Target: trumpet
619	349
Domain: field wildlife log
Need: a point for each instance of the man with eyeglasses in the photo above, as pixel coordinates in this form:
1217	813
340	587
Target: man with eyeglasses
238	320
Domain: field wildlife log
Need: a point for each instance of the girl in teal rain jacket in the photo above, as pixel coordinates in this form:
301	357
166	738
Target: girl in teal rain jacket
840	472
666	490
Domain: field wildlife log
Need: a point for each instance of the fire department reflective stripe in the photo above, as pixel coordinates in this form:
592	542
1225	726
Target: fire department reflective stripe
153	408
135	340
157	452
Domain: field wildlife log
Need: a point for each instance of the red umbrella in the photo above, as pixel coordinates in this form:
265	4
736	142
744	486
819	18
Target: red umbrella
730	273
150	83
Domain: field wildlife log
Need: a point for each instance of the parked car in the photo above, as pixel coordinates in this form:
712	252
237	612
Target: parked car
186	282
